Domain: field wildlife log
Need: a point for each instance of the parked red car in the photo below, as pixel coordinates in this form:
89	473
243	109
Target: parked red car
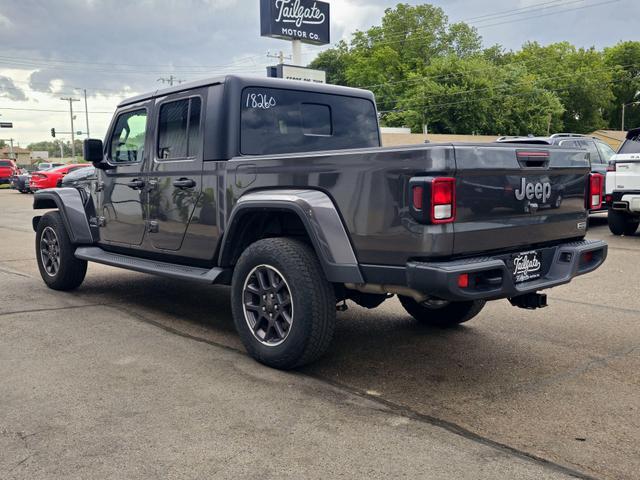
52	178
8	169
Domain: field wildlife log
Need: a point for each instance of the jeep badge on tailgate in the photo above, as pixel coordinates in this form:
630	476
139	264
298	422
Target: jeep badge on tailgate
539	190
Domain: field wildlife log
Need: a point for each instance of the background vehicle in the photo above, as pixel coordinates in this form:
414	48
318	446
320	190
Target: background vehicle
53	177
20	181
281	189
599	152
47	165
623	186
80	178
8	168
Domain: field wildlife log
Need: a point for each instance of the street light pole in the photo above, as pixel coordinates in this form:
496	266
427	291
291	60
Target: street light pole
73	140
86	111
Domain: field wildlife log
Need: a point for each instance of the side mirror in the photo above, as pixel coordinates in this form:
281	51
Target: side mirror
93	152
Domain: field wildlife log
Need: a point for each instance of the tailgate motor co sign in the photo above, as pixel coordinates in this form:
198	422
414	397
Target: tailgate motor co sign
304	20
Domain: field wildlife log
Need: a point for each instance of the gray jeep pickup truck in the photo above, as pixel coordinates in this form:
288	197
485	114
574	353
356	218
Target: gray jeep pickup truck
282	190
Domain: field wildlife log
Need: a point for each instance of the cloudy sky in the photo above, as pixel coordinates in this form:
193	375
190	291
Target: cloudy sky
114	48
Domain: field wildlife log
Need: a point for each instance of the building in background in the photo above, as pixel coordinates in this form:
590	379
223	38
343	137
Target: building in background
22	156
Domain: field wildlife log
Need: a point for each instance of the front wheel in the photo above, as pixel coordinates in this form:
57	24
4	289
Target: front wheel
58	266
283	307
440	313
622	223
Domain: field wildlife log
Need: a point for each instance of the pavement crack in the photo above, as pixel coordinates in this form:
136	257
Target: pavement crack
51	309
13	272
387	406
597	305
20	462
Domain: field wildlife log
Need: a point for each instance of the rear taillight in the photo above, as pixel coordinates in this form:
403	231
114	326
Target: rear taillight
433	200
443	200
595	191
38	176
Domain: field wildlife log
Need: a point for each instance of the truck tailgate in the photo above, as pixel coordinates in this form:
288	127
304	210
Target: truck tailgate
627	173
512	196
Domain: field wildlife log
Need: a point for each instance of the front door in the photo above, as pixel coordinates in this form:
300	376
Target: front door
122	196
175	175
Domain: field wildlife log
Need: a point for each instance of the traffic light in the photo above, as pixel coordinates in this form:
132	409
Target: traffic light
53	132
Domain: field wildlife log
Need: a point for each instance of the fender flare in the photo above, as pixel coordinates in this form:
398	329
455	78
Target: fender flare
320	219
69	203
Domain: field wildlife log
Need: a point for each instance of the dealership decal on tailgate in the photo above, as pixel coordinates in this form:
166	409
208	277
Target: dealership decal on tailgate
526	266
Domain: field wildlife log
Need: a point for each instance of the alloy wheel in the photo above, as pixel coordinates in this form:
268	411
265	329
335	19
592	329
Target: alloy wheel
267	305
50	251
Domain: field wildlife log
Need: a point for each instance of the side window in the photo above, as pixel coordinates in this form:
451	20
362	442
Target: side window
606	152
127	139
593	151
179	129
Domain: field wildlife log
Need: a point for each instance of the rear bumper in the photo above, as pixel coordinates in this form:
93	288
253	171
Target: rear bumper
629	202
491	277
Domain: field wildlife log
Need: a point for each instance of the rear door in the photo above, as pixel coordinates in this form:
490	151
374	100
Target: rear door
175	176
518	195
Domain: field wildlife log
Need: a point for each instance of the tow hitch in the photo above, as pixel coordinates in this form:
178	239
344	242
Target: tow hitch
530	301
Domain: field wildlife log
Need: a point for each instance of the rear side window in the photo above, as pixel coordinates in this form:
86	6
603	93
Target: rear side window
285	121
593	151
179	129
606	152
5	164
631	145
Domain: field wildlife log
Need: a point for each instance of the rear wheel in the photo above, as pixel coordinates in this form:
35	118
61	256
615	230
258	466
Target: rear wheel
283	307
622	223
58	266
440	313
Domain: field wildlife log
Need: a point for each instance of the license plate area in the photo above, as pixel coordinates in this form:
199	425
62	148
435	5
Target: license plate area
526	266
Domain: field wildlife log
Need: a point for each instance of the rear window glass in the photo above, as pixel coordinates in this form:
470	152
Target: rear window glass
285	121
4	163
631	145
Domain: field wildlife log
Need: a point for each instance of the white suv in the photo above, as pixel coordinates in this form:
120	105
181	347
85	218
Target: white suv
623	186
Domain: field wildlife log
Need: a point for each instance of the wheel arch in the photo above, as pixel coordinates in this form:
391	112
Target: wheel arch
307	214
69	203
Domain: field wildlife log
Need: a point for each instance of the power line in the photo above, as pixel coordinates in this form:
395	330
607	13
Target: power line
417	35
46	110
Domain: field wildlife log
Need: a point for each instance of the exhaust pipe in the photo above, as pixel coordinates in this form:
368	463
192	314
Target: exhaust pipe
382	289
529	301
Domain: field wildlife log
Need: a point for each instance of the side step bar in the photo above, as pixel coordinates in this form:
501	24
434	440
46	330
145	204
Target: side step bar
172	270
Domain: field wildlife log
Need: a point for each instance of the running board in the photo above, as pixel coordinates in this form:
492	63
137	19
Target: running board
172	270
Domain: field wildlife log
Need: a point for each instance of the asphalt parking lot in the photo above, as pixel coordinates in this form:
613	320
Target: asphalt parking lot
133	376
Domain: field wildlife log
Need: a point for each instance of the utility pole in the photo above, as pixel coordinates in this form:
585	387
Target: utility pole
170	79
86	111
73	140
280	56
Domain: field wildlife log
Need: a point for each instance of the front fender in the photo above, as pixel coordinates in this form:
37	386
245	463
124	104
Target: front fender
69	203
322	223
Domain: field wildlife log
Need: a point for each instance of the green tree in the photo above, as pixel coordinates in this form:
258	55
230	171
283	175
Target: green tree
624	61
579	77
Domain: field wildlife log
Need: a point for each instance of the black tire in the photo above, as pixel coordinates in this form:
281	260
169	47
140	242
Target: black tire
312	303
622	223
67	273
446	316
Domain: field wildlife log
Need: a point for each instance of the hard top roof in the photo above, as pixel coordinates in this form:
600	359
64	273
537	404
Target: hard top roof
247	81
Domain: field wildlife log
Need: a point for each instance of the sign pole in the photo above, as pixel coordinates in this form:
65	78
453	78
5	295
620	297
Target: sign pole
296	51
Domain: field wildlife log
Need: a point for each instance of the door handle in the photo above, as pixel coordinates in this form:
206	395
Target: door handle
136	184
184	183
